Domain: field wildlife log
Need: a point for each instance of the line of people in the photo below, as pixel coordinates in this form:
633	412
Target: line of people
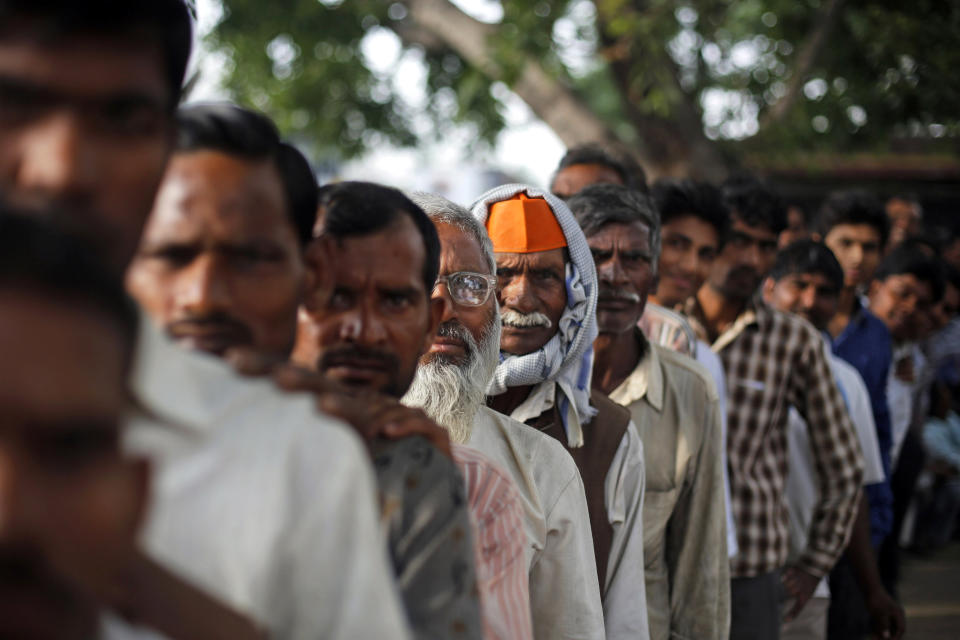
237	405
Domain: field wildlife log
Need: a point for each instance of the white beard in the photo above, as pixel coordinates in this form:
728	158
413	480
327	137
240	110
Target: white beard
450	393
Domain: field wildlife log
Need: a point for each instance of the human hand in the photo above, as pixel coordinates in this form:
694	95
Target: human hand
886	616
800	585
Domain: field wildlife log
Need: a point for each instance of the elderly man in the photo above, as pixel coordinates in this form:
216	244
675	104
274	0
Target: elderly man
221	266
547	291
89	95
674	405
451	386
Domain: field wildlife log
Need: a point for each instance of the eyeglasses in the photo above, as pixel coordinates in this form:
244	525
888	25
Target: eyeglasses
467	288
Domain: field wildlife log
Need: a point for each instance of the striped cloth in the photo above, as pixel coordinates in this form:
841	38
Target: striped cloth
773	361
497	515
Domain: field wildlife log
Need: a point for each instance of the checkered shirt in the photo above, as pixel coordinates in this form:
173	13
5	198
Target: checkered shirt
773	361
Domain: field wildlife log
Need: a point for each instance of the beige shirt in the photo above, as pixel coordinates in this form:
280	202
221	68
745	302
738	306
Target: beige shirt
674	405
623	591
564	594
259	500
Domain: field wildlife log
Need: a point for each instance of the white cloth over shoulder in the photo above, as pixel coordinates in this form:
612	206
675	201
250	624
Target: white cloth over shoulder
259	500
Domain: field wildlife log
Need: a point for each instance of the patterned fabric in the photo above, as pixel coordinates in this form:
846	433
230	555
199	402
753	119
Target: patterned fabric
567	358
424	507
773	361
499	544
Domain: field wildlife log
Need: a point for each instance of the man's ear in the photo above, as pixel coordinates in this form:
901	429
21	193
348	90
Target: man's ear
767	289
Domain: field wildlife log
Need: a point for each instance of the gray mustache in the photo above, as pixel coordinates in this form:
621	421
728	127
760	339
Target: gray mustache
511	318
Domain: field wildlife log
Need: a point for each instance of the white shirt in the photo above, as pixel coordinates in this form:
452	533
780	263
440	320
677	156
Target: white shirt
624	591
801	488
711	362
901	396
564	594
260	500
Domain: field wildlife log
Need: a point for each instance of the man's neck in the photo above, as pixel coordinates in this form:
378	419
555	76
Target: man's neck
719	311
846	304
616	355
507	402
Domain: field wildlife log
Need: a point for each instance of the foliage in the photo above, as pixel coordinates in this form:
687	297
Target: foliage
887	67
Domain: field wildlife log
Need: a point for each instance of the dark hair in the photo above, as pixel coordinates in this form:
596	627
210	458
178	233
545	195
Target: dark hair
240	132
677	198
853	207
629	171
39	258
907	259
807	256
166	20
754	204
598	205
364	208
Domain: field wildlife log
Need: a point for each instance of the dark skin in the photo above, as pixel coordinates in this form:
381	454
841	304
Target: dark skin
86	125
528	282
736	274
858	250
625	273
813	296
459	252
689	247
220	264
571	180
899	301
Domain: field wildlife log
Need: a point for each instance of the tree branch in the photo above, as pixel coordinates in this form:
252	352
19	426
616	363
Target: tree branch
806	59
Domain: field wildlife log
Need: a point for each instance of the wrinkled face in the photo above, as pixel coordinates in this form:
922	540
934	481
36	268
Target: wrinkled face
625	274
84	127
573	179
459	252
689	248
220	264
68	502
858	250
532	292
812	296
379	319
746	257
905	218
796	228
902	302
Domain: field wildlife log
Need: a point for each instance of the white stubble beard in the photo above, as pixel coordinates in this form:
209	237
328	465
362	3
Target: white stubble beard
450	393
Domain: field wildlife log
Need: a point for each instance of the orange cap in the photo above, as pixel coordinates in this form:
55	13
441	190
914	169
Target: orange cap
524	225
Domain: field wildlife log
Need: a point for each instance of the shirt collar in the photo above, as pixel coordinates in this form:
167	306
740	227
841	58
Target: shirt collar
645	381
755	313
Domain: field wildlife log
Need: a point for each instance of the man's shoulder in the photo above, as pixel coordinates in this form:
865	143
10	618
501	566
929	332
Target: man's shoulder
679	369
529	444
608	411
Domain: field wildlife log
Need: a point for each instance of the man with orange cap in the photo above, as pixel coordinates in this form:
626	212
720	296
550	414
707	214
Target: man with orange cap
547	291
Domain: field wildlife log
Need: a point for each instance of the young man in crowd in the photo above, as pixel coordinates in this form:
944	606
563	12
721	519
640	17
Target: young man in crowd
88	96
592	164
906	218
451	385
806	280
221	266
854	227
753	341
674	405
547	292
798	227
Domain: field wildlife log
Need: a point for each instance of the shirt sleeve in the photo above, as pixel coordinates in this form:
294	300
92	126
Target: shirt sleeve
564	594
335	532
625	596
836	453
696	544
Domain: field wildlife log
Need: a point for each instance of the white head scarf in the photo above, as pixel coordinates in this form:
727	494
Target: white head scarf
567	358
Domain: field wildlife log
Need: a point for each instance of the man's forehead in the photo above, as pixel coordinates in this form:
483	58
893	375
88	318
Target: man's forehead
459	250
636	231
538	259
758	232
86	66
860	232
392	257
214	194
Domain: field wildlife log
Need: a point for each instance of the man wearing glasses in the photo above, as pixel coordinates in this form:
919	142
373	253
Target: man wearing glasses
451	386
